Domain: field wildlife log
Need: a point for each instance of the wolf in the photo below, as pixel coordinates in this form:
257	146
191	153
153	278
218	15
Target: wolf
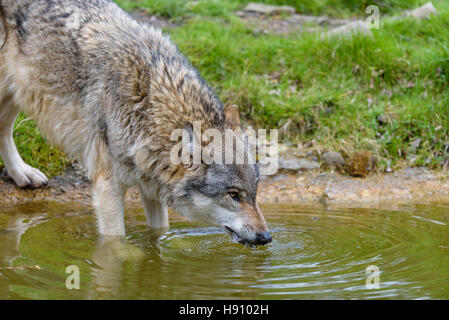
109	90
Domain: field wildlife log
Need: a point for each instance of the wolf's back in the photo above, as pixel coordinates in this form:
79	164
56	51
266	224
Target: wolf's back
76	44
123	74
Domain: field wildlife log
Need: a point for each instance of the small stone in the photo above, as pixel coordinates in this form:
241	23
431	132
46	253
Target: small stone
275	92
303	19
311	154
388	169
63	189
333	158
268	9
295	164
192	4
349	29
414	146
423	12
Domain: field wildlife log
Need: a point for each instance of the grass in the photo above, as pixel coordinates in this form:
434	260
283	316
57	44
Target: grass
332	92
342	8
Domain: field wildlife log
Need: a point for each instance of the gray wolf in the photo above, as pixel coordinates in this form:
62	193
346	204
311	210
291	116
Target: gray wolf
109	90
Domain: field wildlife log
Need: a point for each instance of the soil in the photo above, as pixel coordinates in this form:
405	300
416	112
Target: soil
157	21
323	187
259	23
290	24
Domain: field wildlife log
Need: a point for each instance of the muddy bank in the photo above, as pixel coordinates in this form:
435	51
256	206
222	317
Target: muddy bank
409	185
307	187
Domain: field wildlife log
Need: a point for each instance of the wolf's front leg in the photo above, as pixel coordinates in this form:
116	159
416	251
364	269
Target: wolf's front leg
155	211
22	174
108	197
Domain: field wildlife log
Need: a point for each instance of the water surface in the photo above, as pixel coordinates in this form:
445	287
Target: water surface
316	253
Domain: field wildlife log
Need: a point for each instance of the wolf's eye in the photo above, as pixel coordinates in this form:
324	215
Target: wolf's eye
234	195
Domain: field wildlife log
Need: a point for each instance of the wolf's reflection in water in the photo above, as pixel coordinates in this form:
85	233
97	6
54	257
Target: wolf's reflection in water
121	266
112	255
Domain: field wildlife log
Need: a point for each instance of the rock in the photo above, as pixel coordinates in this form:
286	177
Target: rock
275	92
192	4
388	169
268	9
303	19
349	29
297	164
63	189
321	21
333	158
414	146
312	155
423	12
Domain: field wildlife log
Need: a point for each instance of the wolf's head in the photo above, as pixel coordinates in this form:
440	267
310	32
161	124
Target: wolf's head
225	195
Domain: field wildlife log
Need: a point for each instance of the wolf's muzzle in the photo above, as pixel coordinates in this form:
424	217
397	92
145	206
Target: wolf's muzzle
260	238
263	238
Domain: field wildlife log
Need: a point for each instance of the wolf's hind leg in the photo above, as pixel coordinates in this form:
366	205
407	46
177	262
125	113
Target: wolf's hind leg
155	212
22	174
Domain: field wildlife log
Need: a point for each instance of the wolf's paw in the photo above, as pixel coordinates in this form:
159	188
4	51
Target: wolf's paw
27	176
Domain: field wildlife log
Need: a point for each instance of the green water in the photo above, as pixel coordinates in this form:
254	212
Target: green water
316	253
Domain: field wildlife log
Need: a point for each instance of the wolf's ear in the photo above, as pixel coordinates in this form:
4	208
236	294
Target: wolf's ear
232	116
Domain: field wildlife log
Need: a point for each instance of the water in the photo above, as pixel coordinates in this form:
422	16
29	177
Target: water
316	254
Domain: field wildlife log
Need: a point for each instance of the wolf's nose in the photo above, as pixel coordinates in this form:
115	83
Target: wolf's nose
263	238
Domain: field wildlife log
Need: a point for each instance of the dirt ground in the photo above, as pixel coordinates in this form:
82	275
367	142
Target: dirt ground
410	185
260	23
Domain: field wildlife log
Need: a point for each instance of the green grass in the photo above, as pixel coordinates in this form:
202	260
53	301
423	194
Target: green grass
329	91
182	8
333	91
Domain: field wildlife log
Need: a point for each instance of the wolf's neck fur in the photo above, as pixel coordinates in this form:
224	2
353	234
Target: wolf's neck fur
158	92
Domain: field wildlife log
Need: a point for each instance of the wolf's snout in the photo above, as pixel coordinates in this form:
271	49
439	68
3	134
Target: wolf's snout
250	238
263	238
